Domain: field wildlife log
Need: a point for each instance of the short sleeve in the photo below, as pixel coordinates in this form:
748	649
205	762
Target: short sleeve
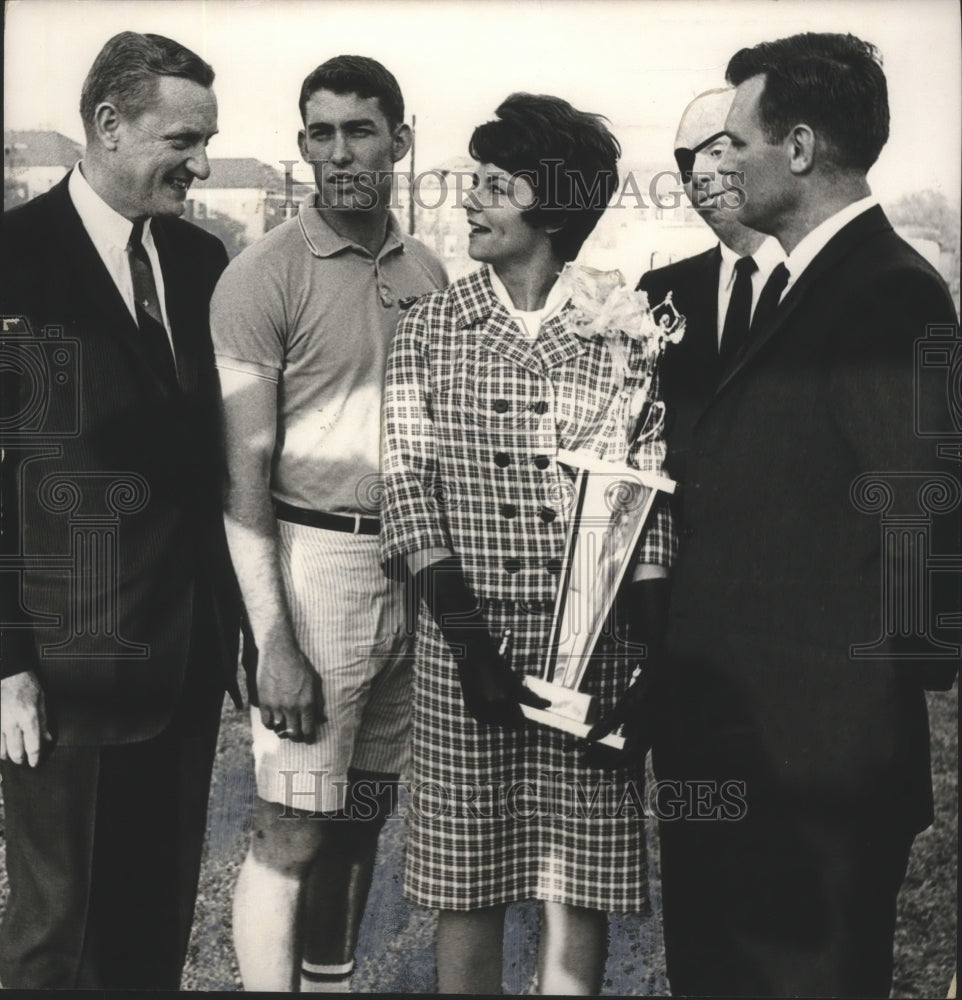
247	319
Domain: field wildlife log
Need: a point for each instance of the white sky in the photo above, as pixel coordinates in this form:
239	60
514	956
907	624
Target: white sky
637	61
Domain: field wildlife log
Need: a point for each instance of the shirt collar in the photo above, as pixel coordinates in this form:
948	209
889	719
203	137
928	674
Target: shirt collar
728	260
102	223
812	244
766	257
554	301
323	241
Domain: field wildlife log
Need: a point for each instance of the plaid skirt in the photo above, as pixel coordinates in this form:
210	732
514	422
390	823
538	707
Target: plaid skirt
498	816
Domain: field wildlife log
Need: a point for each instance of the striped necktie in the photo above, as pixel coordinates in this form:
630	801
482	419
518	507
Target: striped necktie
147	303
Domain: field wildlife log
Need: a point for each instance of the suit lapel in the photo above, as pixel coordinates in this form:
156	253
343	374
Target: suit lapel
91	285
864	226
711	271
177	301
503	337
558	343
706	343
696	298
555	344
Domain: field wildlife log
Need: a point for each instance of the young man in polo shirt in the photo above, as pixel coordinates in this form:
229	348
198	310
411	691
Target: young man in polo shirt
302	323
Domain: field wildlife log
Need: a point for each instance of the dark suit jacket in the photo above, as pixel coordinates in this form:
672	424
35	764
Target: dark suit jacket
689	370
118	477
781	563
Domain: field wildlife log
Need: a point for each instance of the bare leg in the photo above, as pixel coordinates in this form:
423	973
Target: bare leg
572	951
267	896
470	949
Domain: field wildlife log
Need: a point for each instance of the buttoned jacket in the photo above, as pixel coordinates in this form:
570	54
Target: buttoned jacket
474	416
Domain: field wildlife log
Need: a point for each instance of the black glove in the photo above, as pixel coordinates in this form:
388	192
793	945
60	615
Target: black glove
641	614
493	692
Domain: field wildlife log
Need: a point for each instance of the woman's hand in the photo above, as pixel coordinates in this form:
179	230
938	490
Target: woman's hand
493	692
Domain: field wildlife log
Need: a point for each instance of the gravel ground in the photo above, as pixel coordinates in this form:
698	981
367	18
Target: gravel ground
395	950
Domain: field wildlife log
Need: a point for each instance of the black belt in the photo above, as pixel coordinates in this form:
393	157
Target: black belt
356	524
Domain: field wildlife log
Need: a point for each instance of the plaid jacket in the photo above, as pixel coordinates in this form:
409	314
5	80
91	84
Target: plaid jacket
474	415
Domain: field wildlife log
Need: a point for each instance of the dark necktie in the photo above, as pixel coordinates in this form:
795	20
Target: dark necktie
739	315
770	297
147	303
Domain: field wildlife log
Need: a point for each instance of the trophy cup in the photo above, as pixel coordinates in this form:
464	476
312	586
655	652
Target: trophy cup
612	499
611	505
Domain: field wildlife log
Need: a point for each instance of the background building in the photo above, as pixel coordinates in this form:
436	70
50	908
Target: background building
33	161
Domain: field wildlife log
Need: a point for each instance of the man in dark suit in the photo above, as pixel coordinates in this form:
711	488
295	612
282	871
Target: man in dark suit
706	288
120	609
779	682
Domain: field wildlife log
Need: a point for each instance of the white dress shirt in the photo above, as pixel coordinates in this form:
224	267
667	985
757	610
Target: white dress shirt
812	244
766	257
110	232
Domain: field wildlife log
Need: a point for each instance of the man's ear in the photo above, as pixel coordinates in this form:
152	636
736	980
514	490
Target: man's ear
302	145
107	124
401	142
800	144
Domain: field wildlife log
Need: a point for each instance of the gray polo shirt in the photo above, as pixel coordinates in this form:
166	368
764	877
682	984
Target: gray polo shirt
315	313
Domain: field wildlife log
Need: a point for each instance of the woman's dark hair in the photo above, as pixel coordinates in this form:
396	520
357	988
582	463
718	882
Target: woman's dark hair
833	83
569	157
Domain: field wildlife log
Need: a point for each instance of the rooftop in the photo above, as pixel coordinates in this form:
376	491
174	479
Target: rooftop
34	148
241	172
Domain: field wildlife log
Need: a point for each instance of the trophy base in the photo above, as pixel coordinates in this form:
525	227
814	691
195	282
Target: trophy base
571	711
565	701
547	718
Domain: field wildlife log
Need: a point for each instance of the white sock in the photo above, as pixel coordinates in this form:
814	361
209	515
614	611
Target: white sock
326	978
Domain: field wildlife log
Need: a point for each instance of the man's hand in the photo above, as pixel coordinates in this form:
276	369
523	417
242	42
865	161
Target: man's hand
635	712
641	614
290	693
23	719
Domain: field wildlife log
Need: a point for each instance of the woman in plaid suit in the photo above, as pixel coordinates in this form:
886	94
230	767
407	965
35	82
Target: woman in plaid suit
486	381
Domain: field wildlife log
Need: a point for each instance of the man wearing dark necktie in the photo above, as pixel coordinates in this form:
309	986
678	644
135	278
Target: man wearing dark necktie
120	609
723	293
739	316
717	291
795	703
149	319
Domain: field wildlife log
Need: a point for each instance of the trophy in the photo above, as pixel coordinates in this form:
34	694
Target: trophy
611	505
612	499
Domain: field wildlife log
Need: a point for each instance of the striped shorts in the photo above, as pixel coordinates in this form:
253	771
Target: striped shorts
349	621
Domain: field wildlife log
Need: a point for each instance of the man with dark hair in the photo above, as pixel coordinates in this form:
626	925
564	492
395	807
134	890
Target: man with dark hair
118	645
302	322
777	679
356	75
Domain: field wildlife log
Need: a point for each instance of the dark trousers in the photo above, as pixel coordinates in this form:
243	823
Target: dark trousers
782	902
103	855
